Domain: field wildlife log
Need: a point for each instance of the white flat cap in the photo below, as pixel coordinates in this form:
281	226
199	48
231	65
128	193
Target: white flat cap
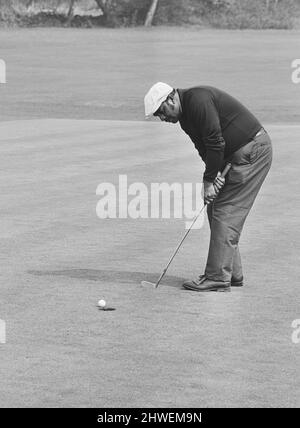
156	95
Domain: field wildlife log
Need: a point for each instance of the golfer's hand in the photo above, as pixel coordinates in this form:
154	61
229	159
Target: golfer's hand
210	192
219	182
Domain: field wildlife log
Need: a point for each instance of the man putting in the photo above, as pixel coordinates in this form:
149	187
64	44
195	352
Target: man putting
222	130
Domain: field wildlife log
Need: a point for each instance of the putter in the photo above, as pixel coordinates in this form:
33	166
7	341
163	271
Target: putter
146	283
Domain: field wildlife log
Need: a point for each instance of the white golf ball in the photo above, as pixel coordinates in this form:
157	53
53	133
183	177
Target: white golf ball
102	303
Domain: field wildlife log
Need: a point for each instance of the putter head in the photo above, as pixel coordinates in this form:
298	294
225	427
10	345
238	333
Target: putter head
148	284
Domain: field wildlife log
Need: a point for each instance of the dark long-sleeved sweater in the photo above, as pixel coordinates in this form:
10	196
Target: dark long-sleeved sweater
217	124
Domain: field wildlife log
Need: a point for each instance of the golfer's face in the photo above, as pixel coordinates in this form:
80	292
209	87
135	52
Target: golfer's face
168	112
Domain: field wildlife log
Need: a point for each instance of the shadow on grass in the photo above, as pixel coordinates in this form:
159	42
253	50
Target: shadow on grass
111	276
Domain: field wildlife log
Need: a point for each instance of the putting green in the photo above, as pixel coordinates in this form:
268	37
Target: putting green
167	347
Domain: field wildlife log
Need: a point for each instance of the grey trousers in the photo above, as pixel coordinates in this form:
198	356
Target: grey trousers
228	212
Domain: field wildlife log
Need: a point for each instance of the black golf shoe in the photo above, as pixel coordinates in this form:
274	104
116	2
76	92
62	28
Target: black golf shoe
203	284
237	282
234	282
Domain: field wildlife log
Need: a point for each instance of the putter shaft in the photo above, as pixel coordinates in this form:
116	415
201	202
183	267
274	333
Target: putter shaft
223	175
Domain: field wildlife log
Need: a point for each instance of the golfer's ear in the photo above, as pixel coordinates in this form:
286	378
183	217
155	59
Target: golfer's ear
170	102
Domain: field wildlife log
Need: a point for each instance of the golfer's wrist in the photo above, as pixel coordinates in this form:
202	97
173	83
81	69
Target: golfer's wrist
207	184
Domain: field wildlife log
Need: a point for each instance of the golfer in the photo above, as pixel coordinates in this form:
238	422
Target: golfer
222	130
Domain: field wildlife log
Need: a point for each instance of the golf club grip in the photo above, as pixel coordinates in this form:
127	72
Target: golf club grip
224	173
225	170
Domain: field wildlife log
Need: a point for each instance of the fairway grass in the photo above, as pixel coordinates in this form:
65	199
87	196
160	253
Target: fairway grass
105	73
